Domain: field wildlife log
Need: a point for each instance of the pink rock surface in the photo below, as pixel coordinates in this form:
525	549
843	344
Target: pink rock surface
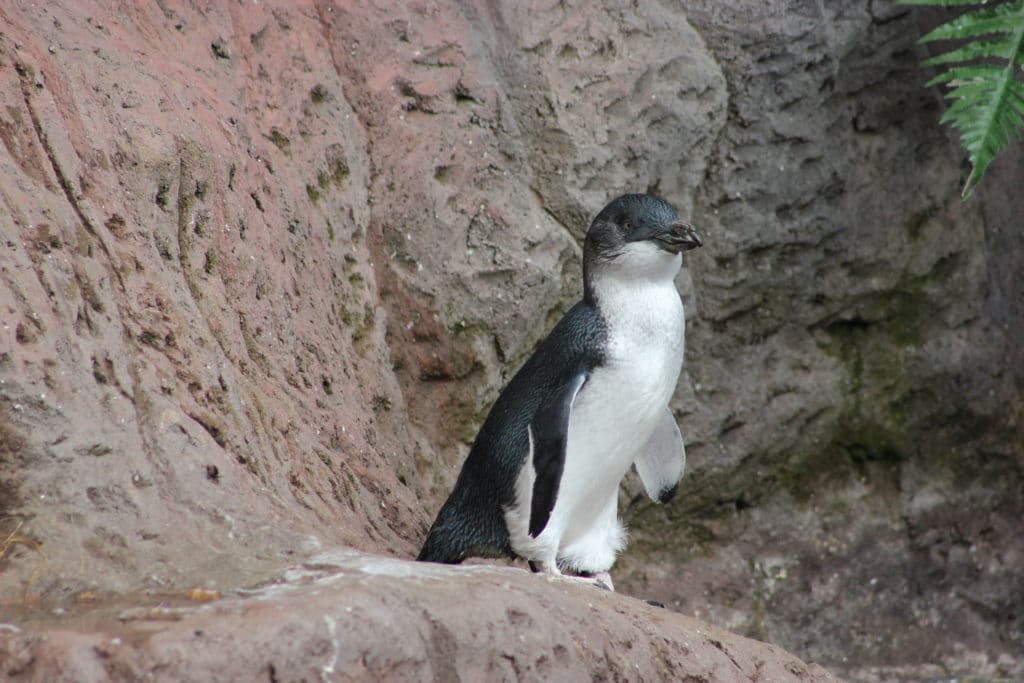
195	374
347	616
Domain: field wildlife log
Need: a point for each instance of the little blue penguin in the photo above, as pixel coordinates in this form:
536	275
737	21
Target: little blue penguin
541	480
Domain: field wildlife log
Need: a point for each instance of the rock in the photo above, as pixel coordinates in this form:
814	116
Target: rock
187	258
350	616
853	413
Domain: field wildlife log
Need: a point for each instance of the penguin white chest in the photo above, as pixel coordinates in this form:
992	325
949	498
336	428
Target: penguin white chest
624	398
619	407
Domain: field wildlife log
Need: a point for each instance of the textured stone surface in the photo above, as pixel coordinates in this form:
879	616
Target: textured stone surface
266	266
856	368
348	616
193	357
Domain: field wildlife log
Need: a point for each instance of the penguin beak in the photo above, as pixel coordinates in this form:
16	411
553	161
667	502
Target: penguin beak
680	237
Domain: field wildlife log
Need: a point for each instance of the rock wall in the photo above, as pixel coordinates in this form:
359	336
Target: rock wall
856	370
267	266
194	365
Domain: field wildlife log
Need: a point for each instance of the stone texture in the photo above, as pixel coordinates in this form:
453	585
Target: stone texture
347	616
855	421
265	267
194	360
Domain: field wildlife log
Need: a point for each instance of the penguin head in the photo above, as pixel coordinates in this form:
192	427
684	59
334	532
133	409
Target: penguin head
637	235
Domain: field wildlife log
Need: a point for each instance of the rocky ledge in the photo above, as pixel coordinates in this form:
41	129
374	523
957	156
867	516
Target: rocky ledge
346	615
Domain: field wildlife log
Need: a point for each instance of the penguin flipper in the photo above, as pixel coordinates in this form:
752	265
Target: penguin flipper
550	429
662	460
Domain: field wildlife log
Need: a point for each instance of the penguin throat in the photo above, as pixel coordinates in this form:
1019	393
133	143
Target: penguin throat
632	271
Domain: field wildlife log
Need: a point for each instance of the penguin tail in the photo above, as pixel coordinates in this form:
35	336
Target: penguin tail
439	548
465	530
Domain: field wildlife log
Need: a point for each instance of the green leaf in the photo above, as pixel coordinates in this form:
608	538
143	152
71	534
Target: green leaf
943	3
999	19
967	74
984	82
990	48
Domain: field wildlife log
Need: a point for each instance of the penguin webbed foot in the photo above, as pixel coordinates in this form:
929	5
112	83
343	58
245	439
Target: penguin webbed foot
602	580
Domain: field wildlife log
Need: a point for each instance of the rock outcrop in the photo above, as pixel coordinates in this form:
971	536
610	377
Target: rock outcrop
265	266
349	616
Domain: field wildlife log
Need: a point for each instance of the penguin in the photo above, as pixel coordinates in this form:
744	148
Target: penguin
541	480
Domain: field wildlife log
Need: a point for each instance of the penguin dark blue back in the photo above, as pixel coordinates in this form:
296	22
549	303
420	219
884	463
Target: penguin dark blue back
471	523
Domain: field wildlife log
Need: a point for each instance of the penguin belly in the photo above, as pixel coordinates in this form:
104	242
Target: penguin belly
608	424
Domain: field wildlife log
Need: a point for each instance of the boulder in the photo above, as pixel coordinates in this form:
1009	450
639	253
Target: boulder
349	616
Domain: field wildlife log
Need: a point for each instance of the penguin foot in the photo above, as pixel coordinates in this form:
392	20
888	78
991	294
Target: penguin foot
602	580
589	580
542	567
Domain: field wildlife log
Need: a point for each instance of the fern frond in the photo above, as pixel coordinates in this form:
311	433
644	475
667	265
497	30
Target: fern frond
998	19
1002	49
988	96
